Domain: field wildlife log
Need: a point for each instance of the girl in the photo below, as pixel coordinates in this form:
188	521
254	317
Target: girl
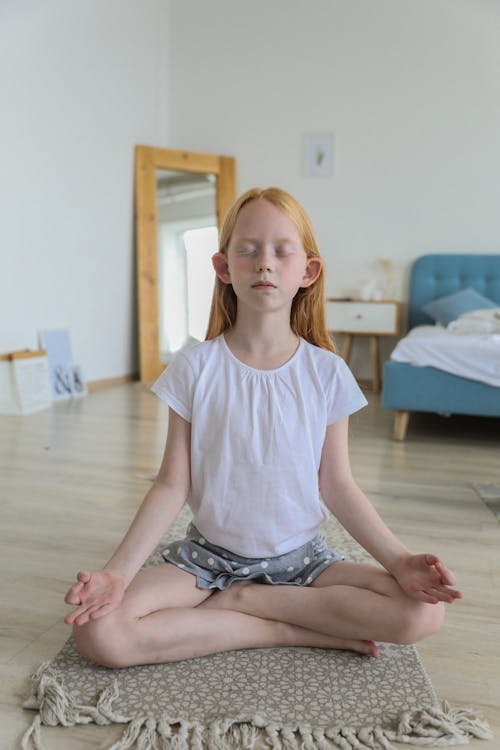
256	413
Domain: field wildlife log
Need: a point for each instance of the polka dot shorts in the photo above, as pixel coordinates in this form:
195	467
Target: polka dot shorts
216	567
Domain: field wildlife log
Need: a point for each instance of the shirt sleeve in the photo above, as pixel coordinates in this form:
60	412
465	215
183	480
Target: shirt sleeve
175	386
344	395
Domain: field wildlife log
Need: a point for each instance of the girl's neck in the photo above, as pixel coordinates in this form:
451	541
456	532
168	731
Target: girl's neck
264	344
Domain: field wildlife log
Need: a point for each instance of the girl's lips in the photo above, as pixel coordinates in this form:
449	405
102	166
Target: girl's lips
263	285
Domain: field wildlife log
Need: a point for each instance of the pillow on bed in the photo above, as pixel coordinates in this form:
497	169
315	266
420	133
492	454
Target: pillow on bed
445	309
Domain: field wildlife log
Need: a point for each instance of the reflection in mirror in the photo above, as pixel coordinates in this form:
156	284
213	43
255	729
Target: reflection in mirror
187	239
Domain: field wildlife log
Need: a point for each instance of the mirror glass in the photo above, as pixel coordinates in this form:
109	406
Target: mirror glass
187	239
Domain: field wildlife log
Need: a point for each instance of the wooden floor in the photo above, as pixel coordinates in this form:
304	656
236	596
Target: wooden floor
71	478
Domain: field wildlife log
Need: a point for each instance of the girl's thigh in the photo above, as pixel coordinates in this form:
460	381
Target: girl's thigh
359	575
160	587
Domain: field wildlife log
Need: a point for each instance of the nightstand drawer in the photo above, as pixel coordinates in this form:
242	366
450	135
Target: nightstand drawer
380	318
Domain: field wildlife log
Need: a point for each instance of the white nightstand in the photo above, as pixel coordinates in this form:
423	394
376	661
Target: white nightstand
359	318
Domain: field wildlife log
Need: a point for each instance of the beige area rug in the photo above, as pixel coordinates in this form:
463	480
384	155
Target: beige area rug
280	698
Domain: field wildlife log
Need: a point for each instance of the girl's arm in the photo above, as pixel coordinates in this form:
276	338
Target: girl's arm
161	504
422	576
97	594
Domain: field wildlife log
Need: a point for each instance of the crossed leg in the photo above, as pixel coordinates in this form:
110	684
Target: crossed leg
162	618
347	600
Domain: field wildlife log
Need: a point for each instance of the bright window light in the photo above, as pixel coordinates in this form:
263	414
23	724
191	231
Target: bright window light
200	245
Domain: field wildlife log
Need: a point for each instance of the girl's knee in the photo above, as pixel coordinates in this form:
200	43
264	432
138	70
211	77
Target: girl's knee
102	641
434	617
419	621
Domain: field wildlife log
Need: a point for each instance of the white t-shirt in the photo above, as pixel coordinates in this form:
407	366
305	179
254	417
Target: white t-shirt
256	441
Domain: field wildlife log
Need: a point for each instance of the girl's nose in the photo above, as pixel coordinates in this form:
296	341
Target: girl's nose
264	261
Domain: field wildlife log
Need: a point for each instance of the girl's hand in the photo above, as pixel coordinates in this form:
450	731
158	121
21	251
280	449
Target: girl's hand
426	578
96	594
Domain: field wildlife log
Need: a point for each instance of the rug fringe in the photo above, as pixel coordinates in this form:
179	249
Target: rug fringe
440	727
430	727
33	736
56	706
420	730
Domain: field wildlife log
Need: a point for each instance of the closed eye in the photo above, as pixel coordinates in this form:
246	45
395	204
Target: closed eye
283	250
246	249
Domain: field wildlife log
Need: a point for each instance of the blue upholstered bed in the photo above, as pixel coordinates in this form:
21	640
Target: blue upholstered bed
408	388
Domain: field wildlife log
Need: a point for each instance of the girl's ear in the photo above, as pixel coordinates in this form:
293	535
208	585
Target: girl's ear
313	270
219	262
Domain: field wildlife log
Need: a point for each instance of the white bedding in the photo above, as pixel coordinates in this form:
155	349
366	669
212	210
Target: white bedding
468	347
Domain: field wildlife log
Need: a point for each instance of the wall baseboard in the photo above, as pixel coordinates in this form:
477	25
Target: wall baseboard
99	385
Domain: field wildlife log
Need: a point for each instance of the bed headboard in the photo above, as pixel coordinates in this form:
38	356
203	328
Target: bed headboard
434	276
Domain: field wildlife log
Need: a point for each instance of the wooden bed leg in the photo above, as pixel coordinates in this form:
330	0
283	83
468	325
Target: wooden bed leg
401	419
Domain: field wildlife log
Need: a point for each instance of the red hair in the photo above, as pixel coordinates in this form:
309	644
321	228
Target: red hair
308	316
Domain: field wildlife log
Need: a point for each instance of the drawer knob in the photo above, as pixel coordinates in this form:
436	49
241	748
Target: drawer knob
359	316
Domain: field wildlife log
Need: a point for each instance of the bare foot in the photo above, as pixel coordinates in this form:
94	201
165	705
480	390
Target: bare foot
369	648
293	635
304	637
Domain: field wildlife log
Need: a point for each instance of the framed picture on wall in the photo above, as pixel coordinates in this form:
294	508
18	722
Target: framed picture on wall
318	154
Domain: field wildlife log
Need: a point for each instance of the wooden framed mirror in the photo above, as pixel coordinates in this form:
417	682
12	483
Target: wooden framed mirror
175	191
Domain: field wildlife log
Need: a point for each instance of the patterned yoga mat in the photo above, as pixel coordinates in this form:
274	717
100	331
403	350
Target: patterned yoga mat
282	698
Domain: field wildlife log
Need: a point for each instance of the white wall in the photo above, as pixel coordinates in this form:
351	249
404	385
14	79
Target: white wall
80	84
410	88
